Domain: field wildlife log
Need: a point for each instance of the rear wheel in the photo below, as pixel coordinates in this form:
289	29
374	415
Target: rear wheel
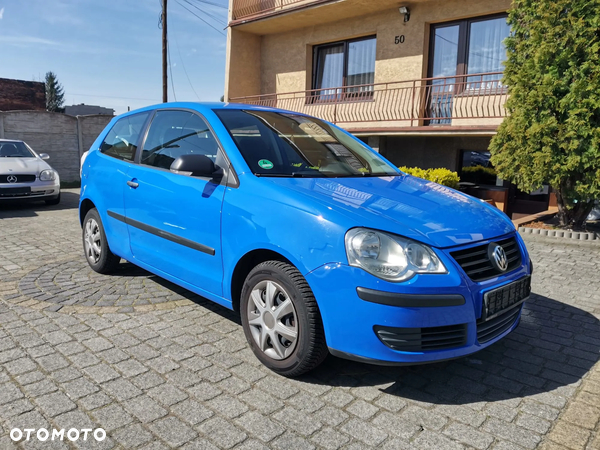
281	319
95	245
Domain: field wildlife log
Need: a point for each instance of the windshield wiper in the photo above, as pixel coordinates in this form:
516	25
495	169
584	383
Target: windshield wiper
292	175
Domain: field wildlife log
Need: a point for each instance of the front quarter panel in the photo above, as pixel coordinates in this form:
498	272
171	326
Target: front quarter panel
257	216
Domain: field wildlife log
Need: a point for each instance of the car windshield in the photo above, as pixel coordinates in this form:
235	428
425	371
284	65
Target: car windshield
14	149
291	145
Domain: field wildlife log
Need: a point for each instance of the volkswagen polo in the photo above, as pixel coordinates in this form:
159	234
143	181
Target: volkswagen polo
320	243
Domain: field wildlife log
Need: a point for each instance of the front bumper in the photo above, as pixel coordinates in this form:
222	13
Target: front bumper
356	328
39	190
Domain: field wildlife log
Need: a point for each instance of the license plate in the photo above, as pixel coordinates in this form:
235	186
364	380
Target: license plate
14	192
497	301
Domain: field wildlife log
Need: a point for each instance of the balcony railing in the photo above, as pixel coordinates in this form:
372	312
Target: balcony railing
466	100
248	8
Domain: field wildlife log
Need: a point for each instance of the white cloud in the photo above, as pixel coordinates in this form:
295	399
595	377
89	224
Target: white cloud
27	41
1	13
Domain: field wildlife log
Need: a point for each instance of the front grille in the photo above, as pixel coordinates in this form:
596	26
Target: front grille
477	264
490	329
421	339
20	179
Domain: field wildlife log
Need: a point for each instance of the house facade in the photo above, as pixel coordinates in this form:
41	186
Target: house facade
420	81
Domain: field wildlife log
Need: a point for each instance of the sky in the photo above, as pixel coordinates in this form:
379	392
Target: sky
108	52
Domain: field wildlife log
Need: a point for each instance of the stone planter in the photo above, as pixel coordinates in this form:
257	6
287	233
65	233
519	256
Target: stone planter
578	235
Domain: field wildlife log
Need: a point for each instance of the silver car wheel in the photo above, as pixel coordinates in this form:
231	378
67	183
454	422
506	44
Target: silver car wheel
92	241
273	320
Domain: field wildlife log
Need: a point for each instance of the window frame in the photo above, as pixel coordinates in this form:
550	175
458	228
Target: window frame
143	131
464	30
230	175
343	96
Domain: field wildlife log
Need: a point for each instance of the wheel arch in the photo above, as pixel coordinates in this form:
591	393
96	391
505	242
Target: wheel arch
85	206
245	265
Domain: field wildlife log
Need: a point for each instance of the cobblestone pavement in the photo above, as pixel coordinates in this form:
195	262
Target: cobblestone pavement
158	367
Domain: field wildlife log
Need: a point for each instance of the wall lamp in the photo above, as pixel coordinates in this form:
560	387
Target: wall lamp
404	10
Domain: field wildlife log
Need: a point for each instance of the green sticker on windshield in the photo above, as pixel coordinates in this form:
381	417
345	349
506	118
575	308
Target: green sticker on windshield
265	164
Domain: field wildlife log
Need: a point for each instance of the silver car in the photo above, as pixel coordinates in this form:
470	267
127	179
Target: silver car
24	175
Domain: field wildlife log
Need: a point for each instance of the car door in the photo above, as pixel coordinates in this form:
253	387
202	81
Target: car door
174	219
104	176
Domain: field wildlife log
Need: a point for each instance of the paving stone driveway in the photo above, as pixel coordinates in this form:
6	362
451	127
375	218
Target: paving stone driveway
158	367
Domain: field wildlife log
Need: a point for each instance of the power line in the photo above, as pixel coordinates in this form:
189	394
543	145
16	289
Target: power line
215	18
171	71
184	69
207	23
212	4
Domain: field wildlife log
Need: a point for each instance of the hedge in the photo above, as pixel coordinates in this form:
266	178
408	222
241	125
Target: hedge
440	176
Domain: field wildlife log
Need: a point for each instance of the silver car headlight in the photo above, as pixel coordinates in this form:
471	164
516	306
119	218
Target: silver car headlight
390	257
47	175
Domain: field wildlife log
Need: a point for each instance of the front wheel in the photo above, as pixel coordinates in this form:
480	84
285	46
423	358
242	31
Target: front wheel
281	319
95	245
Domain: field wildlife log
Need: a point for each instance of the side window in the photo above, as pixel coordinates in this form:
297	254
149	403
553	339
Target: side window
176	133
121	141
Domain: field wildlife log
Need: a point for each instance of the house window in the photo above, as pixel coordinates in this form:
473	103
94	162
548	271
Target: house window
468	47
463	58
344	70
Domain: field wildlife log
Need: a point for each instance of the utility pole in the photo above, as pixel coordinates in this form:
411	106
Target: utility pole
164	50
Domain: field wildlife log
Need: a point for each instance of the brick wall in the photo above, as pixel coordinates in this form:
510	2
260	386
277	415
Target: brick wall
56	134
22	95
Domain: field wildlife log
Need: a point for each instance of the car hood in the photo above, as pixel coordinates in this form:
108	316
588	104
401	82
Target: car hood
22	165
405	205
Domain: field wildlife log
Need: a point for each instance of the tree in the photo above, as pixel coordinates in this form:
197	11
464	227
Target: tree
55	96
552	133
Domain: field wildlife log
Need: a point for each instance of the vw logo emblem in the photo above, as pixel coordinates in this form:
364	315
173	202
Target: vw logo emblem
11	179
497	257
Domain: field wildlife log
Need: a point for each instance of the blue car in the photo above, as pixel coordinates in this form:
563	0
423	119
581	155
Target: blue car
320	243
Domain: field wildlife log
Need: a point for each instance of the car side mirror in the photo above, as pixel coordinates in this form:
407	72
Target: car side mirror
197	166
44	156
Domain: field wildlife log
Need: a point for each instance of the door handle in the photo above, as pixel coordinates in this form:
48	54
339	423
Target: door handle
133	184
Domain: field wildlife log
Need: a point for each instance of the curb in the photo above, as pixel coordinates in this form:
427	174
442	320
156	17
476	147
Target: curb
578	235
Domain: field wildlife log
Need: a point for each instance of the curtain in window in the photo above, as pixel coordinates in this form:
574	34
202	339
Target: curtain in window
445	60
330	72
361	65
487	51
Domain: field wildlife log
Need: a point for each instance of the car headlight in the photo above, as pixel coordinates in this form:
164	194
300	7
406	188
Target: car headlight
47	175
390	257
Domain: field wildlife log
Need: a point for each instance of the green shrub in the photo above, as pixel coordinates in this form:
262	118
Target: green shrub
440	176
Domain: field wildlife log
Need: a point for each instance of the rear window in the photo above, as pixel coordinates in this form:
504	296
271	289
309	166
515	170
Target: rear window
292	145
121	141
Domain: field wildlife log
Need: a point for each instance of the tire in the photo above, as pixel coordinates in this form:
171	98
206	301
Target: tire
53	201
269	321
95	246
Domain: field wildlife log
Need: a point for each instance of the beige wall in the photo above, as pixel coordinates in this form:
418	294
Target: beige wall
285	59
242	66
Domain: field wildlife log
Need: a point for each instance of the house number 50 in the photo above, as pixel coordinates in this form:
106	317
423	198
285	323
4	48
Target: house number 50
399	39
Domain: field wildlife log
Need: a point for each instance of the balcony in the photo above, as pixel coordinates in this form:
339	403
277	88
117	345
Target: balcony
245	9
467	102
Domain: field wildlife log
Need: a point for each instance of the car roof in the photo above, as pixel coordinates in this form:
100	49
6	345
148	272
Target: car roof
203	107
11	140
